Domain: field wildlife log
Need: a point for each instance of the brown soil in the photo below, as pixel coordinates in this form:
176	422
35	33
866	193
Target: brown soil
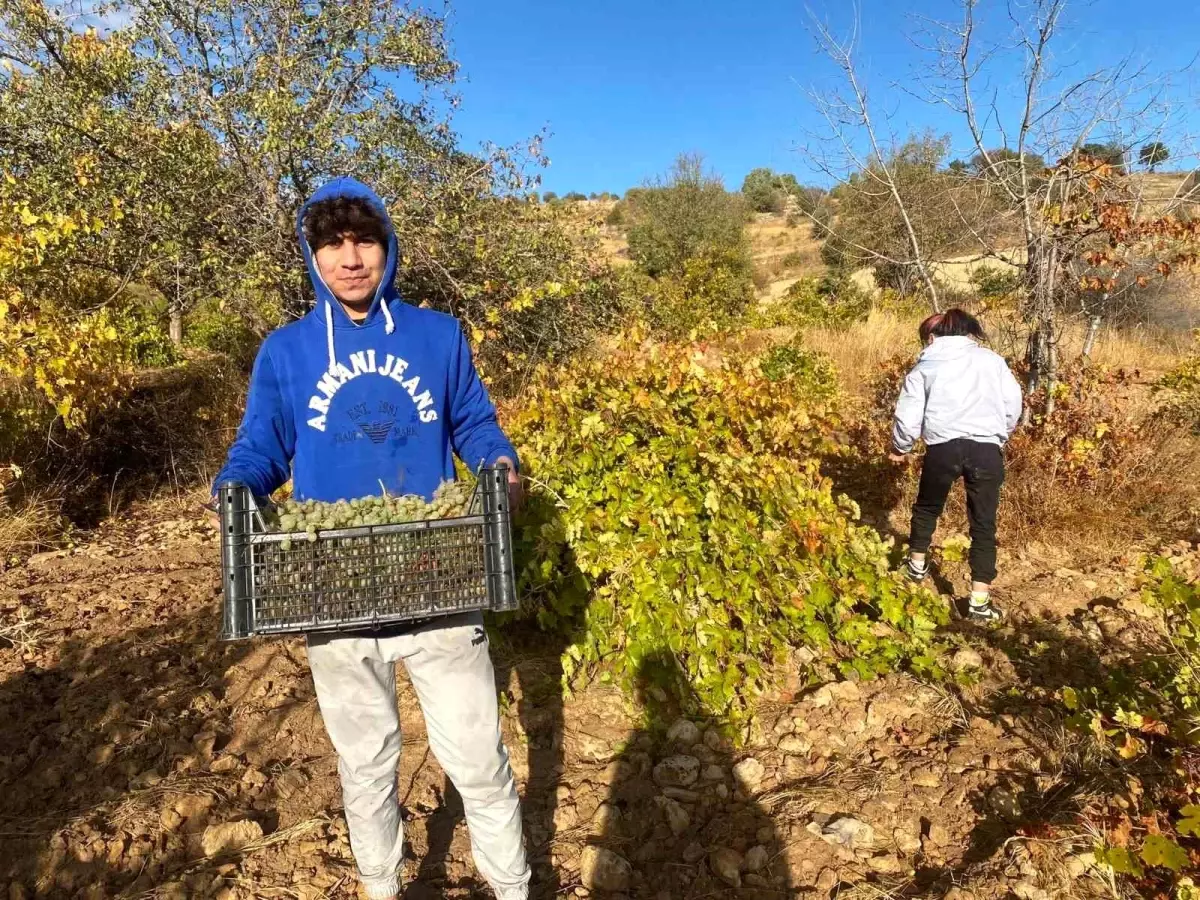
128	729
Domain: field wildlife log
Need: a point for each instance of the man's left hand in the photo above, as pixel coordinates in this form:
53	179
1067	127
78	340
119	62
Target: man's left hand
897	457
516	490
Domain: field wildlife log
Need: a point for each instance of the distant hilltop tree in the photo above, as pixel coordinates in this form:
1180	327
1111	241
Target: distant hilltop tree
1153	154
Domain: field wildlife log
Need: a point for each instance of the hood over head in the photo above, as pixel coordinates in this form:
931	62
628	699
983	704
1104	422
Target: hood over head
327	305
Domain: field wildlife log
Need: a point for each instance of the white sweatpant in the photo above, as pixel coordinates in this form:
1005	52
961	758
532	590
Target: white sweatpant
451	671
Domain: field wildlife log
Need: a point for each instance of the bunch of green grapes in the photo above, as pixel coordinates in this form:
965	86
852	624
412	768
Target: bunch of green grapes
451	500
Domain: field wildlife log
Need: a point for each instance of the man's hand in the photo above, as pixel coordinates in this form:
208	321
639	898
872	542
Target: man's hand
897	457
516	491
211	513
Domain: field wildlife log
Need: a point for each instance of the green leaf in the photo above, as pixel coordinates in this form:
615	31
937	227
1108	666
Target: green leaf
1161	851
1120	860
1190	823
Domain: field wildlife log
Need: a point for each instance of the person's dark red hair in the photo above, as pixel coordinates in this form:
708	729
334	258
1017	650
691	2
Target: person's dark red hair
951	323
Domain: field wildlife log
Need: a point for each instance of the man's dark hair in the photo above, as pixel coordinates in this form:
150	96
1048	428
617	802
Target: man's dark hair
327	221
951	323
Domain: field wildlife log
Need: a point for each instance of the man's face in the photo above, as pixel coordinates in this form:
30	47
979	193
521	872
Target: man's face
352	267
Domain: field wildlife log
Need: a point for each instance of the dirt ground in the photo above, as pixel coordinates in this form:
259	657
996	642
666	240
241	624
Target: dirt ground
141	757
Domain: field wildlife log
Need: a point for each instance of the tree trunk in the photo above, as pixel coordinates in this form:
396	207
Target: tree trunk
175	327
1041	353
1089	342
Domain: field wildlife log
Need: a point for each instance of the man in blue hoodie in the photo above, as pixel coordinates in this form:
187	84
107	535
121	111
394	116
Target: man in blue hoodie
367	393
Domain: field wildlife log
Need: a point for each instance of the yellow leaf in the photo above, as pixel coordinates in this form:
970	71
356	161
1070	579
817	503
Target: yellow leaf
1132	747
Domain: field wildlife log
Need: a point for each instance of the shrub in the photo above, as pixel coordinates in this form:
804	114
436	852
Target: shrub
55	362
216	329
902	277
1144	716
794	260
826	302
1179	395
763	190
616	215
993	282
688	214
677	510
795	363
711	292
142	329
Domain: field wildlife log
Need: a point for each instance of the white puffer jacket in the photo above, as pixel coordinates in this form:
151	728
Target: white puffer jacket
957	389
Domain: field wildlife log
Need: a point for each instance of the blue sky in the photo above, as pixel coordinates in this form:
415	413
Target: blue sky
626	85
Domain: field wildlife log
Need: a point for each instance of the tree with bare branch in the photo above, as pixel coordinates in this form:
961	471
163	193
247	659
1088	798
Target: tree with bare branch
1049	219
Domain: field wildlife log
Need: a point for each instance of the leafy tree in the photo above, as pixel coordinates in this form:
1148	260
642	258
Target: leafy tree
549	197
872	228
173	153
683	216
1110	154
958	167
1153	154
764	191
575	197
1003	165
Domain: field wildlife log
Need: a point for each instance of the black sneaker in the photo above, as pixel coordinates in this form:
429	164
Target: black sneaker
916	571
984	613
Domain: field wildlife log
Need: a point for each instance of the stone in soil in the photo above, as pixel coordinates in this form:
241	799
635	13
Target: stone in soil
684	733
726	864
677	771
926	777
757	858
602	870
678	818
965	660
230	836
795	745
693	852
1005	803
749	774
846	832
827	881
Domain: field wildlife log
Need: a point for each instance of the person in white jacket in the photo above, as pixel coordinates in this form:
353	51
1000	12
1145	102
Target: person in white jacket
964	402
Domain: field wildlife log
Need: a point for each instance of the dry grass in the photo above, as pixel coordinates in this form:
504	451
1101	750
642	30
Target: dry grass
27	527
860	351
22	635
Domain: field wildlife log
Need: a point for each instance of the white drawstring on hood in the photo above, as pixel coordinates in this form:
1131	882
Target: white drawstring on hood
389	322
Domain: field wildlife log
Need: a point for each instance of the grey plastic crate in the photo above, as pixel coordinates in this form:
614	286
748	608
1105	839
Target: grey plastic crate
361	578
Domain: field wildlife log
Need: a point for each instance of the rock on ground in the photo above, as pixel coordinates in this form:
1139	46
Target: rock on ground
602	870
726	864
230	836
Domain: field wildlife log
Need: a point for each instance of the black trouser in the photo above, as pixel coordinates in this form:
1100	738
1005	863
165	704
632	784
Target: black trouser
981	466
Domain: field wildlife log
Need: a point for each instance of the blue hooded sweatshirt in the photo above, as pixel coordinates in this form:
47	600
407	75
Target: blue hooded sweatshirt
351	410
